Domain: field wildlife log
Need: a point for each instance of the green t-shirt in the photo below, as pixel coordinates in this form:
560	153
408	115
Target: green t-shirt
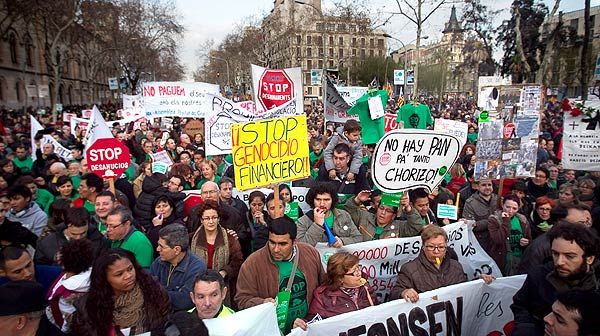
44	199
372	130
76	180
24	165
378	232
472	137
298	307
202	181
91	208
412	116
139	245
291	210
515	235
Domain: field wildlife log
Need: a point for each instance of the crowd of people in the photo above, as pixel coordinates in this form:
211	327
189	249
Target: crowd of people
79	258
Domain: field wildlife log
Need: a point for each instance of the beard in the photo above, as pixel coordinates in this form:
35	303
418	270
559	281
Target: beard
579	273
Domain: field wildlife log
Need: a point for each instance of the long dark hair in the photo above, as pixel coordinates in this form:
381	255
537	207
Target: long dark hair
100	302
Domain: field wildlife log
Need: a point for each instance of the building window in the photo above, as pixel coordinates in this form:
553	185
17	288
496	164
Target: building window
341	27
319	26
298	39
18	91
330	52
371	43
12	44
351	28
341	53
309	64
330	64
341	41
362	42
380	53
308	39
308	52
353	52
320	52
575	23
320	64
307	78
354	41
371	52
330	40
380	43
298	51
362	53
319	40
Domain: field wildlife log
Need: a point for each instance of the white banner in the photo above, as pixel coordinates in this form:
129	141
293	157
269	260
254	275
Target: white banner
43	91
581	140
350	94
59	149
382	259
398	77
457	128
260	320
177	99
467	309
133	107
283	82
82	123
222	113
298	195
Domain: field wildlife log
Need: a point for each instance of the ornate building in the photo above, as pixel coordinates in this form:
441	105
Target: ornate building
25	79
298	34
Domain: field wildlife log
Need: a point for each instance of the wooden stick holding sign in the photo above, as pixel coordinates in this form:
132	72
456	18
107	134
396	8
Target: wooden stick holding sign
111	185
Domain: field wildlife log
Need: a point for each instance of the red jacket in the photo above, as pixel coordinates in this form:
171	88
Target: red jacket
327	302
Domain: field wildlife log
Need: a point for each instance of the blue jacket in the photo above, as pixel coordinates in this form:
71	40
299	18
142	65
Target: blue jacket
181	282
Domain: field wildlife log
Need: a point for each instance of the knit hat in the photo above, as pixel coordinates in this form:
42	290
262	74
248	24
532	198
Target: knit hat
19	297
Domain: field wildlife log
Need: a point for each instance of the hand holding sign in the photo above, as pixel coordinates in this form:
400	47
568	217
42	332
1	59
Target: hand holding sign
408	158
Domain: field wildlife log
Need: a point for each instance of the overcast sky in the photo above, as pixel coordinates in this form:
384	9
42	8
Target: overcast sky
210	19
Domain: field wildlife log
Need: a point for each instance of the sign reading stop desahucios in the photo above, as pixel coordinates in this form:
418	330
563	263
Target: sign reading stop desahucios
108	158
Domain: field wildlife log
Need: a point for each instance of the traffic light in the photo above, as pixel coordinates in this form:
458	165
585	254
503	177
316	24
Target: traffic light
218	74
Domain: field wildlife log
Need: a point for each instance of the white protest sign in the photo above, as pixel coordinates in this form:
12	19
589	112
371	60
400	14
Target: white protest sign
375	108
350	94
78	122
177	99
298	195
163	157
467	309
274	87
382	259
581	140
96	129
457	128
223	113
410	158
86	114
67	117
59	149
259	320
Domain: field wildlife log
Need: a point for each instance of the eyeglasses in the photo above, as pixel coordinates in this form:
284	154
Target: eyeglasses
434	247
210	219
114	226
545	209
357	271
385	209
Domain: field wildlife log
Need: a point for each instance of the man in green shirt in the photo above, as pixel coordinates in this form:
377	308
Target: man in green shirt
90	186
22	160
122	234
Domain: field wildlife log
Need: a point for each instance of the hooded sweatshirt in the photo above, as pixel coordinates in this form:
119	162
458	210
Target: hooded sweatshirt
32	218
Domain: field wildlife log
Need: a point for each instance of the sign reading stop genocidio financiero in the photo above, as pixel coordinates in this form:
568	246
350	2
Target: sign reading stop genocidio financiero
108	158
269	151
407	158
188	100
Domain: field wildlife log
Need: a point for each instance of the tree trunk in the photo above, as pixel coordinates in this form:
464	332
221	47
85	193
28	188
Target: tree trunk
519	43
585	52
418	51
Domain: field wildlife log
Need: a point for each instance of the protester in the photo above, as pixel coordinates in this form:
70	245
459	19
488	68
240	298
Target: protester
574	266
152	187
208	295
348	134
144	171
121	296
163	214
25	211
269	271
384	223
568	193
510	234
421	202
479	208
176	267
208	170
540	216
91	185
213	243
342	156
575	312
430	270
344	289
311	227
77	257
17	264
256	216
122	234
105	203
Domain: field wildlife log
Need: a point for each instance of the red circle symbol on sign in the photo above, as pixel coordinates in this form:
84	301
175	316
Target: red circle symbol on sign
275	88
509	129
108	158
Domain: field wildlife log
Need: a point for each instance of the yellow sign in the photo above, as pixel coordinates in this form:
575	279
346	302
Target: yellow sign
269	151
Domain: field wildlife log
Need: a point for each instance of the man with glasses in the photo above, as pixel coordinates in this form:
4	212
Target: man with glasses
122	234
383	224
176	267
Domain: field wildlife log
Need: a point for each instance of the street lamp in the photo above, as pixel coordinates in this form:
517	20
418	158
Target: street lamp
226	63
405	58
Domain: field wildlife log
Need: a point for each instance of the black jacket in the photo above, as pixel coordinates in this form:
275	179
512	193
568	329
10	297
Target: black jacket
535	298
151	188
539	252
50	245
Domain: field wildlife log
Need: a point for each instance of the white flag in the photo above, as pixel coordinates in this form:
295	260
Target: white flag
96	129
59	149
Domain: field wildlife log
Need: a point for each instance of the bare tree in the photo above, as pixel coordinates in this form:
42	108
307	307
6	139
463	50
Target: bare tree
586	51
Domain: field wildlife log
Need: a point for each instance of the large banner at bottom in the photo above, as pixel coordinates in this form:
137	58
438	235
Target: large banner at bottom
471	308
256	321
382	259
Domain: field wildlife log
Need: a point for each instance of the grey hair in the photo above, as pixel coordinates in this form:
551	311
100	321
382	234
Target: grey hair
122	212
175	235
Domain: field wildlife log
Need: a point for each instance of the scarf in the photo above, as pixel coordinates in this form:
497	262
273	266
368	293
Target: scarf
199	247
128	310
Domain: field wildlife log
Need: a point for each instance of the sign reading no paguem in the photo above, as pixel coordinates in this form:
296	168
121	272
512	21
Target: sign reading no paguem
269	151
183	99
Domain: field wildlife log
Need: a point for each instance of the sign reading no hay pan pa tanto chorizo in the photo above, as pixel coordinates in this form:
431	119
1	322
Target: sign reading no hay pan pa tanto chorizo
406	159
